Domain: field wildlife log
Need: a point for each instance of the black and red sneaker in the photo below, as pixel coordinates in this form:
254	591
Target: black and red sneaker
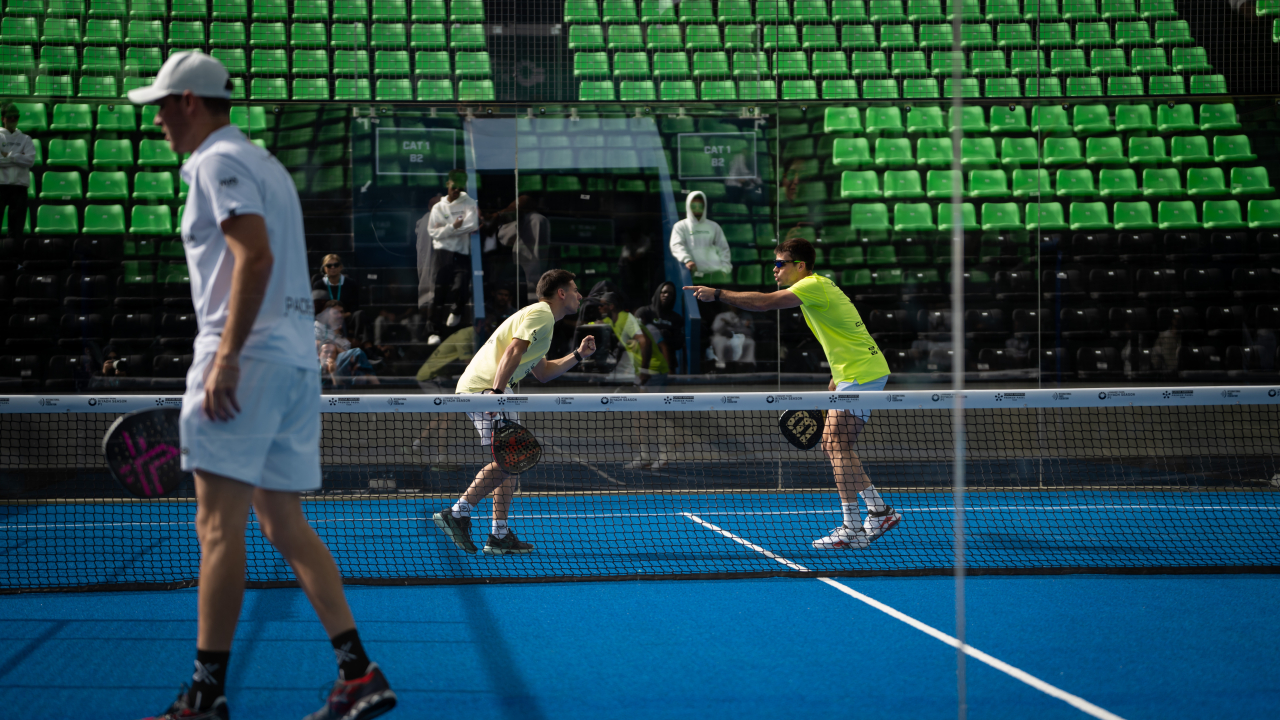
359	699
180	710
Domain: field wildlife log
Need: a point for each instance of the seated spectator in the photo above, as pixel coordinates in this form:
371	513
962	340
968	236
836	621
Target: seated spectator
731	339
329	326
336	285
665	325
345	369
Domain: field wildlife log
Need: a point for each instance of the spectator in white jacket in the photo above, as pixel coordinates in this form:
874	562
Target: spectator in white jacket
449	225
17	155
697	242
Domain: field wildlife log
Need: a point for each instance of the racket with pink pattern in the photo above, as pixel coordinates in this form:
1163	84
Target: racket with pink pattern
144	453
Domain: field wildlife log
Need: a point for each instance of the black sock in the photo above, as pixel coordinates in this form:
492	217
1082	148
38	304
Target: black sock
209	680
352	662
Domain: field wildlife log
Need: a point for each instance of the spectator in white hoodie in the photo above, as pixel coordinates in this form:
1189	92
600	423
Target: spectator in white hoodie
449	225
697	242
17	155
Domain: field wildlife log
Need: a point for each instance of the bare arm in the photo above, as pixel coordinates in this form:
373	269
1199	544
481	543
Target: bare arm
752	301
548	370
508	363
248	242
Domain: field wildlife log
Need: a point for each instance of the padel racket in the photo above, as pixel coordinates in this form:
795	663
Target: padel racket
142	451
802	428
515	449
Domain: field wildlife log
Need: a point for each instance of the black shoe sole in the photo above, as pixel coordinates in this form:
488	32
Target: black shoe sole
453	533
490	550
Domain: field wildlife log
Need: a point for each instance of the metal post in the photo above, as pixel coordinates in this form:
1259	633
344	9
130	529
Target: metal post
957	343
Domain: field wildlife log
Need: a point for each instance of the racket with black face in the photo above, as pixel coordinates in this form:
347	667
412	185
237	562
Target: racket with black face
143	452
515	449
802	428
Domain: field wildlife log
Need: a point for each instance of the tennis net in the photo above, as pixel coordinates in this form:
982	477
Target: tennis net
667	485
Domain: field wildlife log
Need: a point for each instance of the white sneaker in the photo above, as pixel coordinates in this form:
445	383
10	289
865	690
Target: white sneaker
433	340
843	538
453	320
636	465
876	525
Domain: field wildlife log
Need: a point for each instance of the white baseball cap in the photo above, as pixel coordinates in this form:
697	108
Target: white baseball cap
203	75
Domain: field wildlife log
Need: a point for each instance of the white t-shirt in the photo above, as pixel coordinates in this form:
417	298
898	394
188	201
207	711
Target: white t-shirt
231	176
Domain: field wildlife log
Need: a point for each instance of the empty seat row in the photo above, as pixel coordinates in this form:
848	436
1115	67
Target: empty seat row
1050	152
1115	184
104	185
1082	119
460	11
65	152
106	220
736	12
278	88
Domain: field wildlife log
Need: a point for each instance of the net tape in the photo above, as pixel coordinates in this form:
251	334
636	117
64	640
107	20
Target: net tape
1088	480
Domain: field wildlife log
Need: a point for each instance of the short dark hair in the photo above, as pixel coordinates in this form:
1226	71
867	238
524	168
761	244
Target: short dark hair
553	280
799	249
10	110
459	177
217	106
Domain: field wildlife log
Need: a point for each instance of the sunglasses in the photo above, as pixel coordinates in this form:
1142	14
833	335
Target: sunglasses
782	263
329	265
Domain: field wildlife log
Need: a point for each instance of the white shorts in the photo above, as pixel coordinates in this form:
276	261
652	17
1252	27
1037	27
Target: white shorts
868	386
484	422
272	443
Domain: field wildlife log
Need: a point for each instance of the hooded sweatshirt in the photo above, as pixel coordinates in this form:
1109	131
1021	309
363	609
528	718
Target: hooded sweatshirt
701	241
15	168
444	236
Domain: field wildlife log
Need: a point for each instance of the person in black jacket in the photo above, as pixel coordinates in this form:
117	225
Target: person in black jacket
663	322
336	285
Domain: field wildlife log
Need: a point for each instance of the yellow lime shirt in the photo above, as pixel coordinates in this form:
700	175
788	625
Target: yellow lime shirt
851	353
532	323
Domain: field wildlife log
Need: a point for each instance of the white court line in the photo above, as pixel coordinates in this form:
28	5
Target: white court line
1073	700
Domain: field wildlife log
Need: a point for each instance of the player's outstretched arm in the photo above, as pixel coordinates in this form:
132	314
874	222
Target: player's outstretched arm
752	301
548	370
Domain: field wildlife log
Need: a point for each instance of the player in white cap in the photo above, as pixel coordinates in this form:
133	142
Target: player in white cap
251	414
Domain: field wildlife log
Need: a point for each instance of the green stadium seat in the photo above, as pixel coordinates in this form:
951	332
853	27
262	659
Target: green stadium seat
476	90
1206	182
581	11
1228	148
990	63
1135	34
902	185
637	91
311	11
1091	119
54	86
1055	36
1068	62
703	37
310	35
760	89
1015	36
1132	216
1076	184
736	37
1191	60
632	65
925	119
870	64
1009	119
153	186
842	120
967	10
880	89
351	62
673	90
1178	215
847	256
1080	10
393	89
940	64
1108	61
920	88
1124	85
156	153
907	218
387	36
840	89
72	117
1173	32
435	91
886	11
57	220
1264	214
1105	151
1190	149
1222	215
422	36
858	37
101	60
1167	85
1046	217
910	64
353	35
433	63
1089	216
583	37
735	11
664	37
314	62
1050	119
671	66
1158	10
466	11
103	220
60	186
1208	85
860	185
1084	87
61	30
873	218
993	184
1149	61
433	11
968	221
819	37
935	37
825	65
226	34
1001	217
1147	151
58	59
312	88
19	29
391	63
279	9
781	37
919	11
897	37
15	85
1062	151
979	152
104	31
976	37
121	117
151	220
718	90
473	65
1019	152
1042	10
933	152
1028	63
68	153
1250	181
1218	117
1165	182
269	89
98	87
893	153
272	62
112	153
1132	118
786	64
189	9
1176	118
230	10
1093	34
1003	11
19	58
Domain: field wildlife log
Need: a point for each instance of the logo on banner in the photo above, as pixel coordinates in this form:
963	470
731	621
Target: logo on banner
769	399
1102	396
935	397
1108	394
93	402
439	401
1180	394
1270	393
729	399
1230	393
564	400
396	401
896	398
168	402
345	401
678	399
1062	396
